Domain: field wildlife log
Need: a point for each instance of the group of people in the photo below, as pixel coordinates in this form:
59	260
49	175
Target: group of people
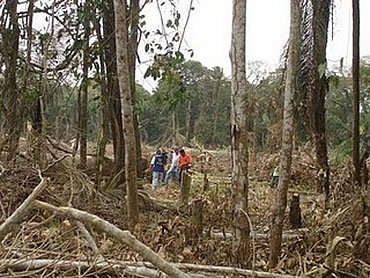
180	161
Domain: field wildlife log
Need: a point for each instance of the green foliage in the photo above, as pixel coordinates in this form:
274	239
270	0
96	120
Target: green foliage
339	111
196	85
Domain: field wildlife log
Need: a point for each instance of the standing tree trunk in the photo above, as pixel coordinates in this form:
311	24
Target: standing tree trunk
279	208
318	87
10	41
189	121
216	112
85	87
133	41
35	110
120	8
113	90
103	131
239	135
356	93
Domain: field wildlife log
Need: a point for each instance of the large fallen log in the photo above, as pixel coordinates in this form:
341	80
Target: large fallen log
123	236
136	268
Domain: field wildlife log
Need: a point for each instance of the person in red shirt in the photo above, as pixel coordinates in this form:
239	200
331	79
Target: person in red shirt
183	164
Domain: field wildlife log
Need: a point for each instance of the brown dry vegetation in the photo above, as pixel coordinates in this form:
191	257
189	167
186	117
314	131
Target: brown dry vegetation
334	242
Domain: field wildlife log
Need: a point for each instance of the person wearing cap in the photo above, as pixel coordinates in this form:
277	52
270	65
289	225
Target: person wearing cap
158	169
173	168
183	164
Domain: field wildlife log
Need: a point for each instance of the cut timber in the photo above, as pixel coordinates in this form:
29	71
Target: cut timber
124	237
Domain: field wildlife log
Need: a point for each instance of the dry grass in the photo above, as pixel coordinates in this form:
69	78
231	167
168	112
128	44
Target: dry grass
169	232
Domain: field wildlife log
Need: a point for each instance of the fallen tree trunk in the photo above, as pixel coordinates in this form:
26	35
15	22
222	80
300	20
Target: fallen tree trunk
123	236
143	268
287	235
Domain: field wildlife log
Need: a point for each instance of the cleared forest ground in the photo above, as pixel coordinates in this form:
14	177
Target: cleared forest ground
332	241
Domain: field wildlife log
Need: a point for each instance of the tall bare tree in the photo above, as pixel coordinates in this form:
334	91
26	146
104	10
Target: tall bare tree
356	92
85	85
10	43
239	133
134	42
103	130
120	8
114	102
279	207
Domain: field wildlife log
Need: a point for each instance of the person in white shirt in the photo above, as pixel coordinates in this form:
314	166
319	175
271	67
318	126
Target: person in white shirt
172	172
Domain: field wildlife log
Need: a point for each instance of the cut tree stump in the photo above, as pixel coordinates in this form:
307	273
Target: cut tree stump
295	216
205	182
197	218
185	188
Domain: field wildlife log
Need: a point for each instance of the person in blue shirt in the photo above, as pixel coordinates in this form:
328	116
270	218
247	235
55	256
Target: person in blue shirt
157	164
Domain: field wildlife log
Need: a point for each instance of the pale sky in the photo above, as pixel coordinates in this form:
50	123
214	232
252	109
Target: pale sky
209	32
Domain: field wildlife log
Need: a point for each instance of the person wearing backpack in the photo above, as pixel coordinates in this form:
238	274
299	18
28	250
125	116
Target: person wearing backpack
157	164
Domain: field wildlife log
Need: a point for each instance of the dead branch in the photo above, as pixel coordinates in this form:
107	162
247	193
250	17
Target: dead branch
89	239
23	209
54	163
232	271
123	236
137	268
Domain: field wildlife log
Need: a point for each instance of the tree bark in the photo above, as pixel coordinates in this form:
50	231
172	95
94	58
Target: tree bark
279	207
239	135
85	88
189	121
120	8
103	131
35	111
10	38
356	93
216	112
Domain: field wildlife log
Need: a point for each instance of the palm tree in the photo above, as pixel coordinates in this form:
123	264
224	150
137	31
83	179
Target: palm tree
313	80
